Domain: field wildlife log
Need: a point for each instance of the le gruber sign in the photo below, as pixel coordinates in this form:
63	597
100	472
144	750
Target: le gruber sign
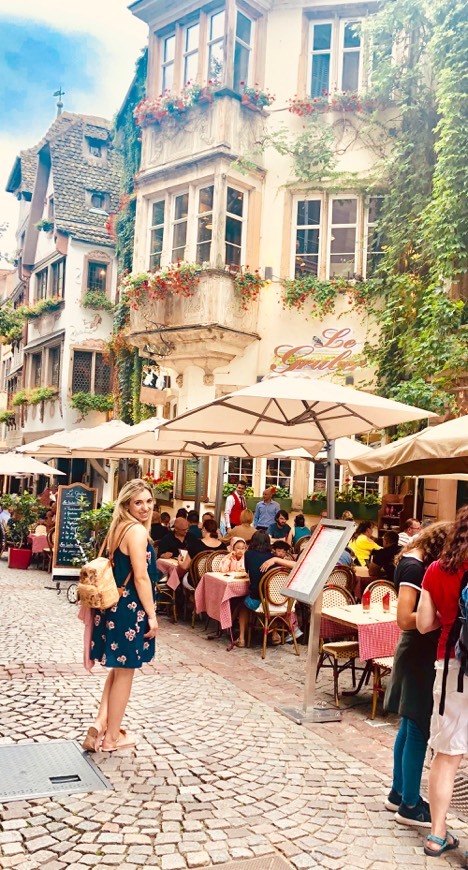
334	350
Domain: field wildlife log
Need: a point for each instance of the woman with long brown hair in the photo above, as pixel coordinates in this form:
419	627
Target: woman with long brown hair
409	692
439	609
123	636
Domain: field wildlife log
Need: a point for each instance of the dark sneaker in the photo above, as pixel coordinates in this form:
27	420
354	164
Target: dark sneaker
393	800
419	815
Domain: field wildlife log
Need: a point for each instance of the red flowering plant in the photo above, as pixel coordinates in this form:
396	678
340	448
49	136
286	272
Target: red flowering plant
334	101
248	285
255	96
165	483
178	279
168	104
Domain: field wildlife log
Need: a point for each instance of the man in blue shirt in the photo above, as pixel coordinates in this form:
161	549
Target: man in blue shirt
266	511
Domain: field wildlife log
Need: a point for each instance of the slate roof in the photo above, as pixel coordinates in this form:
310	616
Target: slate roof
75	172
23	174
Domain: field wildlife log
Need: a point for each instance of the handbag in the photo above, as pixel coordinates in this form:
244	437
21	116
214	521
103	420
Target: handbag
97	588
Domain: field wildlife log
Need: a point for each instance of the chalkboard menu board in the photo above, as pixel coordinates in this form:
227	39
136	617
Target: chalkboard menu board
72	501
186	478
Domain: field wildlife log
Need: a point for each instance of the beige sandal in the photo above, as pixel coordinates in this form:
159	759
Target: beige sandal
239	643
93	740
125	741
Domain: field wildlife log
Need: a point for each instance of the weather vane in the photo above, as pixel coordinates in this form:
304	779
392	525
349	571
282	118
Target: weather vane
59	94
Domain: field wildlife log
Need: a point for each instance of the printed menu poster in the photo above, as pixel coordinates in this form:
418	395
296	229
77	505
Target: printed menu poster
307	578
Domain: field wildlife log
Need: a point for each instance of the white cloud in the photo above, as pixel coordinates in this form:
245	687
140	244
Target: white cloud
121	35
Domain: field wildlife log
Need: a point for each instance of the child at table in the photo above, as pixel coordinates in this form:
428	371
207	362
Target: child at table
234	561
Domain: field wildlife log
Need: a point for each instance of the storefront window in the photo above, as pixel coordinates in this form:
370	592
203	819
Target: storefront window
240	469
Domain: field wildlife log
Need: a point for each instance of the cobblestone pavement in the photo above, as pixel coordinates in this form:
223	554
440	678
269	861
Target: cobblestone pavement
218	775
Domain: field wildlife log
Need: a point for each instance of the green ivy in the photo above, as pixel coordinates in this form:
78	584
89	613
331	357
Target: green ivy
11	323
7	417
87	402
97	299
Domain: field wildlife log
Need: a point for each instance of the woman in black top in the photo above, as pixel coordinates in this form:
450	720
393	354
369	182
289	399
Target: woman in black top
409	692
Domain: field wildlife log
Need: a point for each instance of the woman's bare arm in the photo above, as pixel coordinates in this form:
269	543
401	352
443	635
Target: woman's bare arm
426	616
406	616
134	543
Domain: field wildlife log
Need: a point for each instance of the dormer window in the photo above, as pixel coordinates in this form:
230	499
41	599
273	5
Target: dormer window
95	148
98	200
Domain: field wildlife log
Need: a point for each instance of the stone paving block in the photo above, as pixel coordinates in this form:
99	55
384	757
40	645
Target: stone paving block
172	862
198	859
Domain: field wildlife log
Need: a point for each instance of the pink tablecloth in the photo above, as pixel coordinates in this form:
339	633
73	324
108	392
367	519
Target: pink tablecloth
169	569
38	543
213	596
376	640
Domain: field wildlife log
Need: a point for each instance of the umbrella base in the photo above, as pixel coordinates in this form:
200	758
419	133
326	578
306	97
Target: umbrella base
314	714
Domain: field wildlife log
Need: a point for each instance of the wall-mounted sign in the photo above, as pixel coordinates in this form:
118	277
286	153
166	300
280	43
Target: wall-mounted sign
334	350
155	385
186	478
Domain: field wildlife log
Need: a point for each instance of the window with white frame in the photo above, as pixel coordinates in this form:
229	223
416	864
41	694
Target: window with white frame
156	234
235	213
216	24
307	237
335	56
320	58
41	284
168	62
343	237
374	241
190	53
242	50
278	473
350	55
368	483
179	226
204	223
240	469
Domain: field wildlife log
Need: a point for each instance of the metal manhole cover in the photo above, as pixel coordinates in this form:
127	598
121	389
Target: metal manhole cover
266	862
33	770
459	803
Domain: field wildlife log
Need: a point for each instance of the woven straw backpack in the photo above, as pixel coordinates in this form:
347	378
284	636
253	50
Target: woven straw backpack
97	588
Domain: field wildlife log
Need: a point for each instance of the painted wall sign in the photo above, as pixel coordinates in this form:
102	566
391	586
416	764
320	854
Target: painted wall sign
335	350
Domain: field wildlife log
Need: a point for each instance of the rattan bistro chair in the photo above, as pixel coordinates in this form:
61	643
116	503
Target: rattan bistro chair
379	588
275	610
341	655
198	567
382	668
343	576
301	543
215	559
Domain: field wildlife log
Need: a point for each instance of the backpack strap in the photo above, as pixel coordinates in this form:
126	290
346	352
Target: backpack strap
451	641
126	528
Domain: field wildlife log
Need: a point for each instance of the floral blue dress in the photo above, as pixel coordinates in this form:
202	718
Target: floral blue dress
118	633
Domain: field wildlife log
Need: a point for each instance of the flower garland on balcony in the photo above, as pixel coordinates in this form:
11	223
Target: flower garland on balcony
34	397
248	285
254	96
297	292
87	402
334	101
7	417
168	104
44	306
176	279
97	299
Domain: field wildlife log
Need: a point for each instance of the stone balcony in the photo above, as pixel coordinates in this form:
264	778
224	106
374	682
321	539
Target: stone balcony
208	329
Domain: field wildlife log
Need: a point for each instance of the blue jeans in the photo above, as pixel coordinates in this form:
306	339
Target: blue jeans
408	759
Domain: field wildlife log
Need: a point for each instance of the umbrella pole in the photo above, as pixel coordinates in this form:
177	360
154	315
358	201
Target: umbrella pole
415	500
331	480
219	489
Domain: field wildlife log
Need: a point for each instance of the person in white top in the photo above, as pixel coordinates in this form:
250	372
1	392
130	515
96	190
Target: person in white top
235	504
411	528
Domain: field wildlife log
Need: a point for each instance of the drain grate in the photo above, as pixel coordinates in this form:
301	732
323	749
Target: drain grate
33	770
459	803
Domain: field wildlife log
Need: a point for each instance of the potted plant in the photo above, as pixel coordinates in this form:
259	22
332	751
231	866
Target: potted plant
91	529
315	503
282	496
162	486
25	511
368	509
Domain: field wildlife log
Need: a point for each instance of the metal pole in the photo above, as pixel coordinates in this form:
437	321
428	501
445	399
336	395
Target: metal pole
415	500
331	480
198	483
219	488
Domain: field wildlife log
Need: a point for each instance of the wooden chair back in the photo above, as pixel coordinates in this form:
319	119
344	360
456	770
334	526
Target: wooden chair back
198	567
40	529
379	588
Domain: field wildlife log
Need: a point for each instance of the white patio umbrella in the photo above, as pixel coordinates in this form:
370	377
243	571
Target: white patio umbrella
95	442
15	465
436	451
345	449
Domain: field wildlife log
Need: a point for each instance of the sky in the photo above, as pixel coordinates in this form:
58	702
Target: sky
86	47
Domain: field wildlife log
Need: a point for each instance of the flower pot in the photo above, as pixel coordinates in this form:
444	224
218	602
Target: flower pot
284	503
19	558
313	507
366	511
164	497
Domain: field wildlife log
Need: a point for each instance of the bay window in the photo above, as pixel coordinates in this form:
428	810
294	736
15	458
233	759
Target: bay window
343	237
168	62
307	237
216	25
204	224
191	52
179	227
242	50
234	226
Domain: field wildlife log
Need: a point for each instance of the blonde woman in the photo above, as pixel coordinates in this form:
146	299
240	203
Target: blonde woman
123	636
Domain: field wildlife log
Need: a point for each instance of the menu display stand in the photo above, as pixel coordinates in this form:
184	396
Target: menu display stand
305	583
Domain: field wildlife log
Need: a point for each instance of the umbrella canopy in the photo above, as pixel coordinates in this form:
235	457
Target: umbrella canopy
96	442
14	464
345	449
289	410
438	450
